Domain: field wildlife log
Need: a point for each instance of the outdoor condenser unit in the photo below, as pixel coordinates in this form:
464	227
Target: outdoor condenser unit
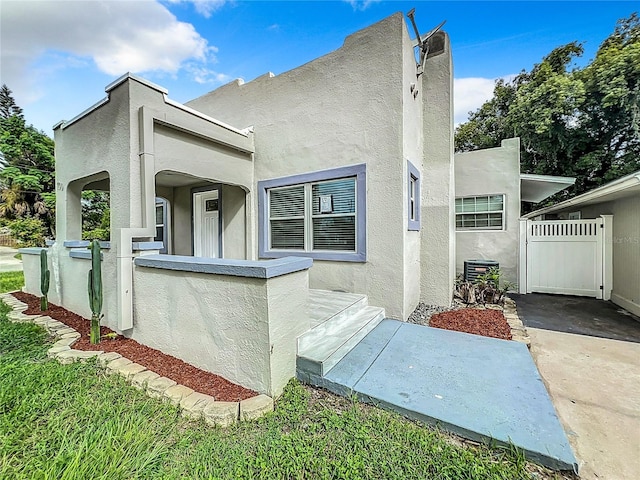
474	268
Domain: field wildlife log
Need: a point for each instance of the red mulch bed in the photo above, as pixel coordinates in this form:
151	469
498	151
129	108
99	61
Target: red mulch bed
154	360
489	323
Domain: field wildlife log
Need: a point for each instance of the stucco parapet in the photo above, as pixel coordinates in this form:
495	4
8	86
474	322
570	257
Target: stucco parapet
222	266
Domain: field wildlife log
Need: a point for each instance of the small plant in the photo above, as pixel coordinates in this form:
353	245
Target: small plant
487	288
95	291
110	336
45	275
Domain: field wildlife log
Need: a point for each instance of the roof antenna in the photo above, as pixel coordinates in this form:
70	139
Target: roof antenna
422	41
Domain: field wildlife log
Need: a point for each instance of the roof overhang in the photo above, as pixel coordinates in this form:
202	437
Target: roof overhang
535	188
621	188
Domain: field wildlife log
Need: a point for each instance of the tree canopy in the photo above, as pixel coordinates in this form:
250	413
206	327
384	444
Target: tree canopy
579	122
27	174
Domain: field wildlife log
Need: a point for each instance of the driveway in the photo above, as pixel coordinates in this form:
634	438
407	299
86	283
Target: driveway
580	315
7	261
594	381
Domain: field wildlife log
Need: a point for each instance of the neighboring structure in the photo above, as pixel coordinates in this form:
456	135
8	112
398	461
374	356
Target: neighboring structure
346	162
489	193
617	202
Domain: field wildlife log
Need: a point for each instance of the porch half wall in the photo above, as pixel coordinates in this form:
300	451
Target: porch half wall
238	319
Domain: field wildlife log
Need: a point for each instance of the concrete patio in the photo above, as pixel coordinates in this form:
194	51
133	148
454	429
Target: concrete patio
481	388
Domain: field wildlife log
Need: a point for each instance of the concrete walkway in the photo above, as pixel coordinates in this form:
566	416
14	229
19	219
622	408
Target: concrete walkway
475	386
595	386
7	261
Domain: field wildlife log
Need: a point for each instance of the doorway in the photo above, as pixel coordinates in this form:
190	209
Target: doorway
207	224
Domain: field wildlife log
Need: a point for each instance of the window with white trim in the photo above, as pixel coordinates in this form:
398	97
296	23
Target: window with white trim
480	212
413	197
319	216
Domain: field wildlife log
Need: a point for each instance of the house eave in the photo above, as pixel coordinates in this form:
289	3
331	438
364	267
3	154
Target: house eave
622	187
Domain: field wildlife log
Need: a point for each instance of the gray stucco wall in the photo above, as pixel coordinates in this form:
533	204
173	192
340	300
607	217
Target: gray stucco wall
626	246
326	114
349	107
491	171
438	237
242	328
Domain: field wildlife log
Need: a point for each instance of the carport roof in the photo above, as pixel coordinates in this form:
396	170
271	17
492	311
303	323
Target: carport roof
535	188
623	187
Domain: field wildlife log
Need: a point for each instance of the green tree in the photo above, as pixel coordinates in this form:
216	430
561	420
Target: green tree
95	215
27	176
8	106
581	122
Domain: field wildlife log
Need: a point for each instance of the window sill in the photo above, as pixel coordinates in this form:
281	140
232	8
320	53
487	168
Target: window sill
356	257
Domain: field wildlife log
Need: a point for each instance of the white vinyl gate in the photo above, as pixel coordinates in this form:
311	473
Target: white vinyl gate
566	256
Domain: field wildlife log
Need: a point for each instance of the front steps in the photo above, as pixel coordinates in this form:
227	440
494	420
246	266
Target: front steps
338	322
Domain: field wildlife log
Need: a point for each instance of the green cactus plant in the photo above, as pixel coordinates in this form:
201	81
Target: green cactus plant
45	275
95	291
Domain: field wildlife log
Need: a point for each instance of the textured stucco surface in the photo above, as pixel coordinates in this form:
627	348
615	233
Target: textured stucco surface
227	325
331	113
437	248
68	283
492	171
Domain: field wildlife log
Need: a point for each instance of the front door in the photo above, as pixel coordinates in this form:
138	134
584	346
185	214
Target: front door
206	224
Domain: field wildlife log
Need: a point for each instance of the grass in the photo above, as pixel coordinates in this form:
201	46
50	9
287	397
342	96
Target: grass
73	422
10	281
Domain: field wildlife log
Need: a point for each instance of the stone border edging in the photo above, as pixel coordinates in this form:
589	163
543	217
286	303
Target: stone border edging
518	330
193	404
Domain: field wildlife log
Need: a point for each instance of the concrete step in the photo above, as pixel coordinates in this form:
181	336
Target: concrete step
322	347
325	305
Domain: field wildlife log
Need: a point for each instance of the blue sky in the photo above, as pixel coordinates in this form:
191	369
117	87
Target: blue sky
58	55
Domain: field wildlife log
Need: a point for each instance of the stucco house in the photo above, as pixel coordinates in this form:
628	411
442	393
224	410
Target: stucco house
233	213
489	193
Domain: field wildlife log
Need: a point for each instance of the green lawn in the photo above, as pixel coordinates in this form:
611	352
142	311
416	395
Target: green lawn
72	422
10	281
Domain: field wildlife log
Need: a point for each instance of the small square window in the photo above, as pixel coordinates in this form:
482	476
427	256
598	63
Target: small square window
413	197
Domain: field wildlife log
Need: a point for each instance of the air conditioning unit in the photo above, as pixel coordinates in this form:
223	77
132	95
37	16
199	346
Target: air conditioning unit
474	268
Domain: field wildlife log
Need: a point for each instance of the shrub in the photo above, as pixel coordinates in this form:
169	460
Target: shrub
28	231
487	288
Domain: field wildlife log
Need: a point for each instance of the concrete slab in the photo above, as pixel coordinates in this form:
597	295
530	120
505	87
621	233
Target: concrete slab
580	315
595	386
481	388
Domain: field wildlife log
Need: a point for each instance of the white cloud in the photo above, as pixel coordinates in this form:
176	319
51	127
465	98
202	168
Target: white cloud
470	93
203	7
361	5
117	36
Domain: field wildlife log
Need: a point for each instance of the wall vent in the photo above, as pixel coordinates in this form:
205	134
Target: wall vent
474	268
